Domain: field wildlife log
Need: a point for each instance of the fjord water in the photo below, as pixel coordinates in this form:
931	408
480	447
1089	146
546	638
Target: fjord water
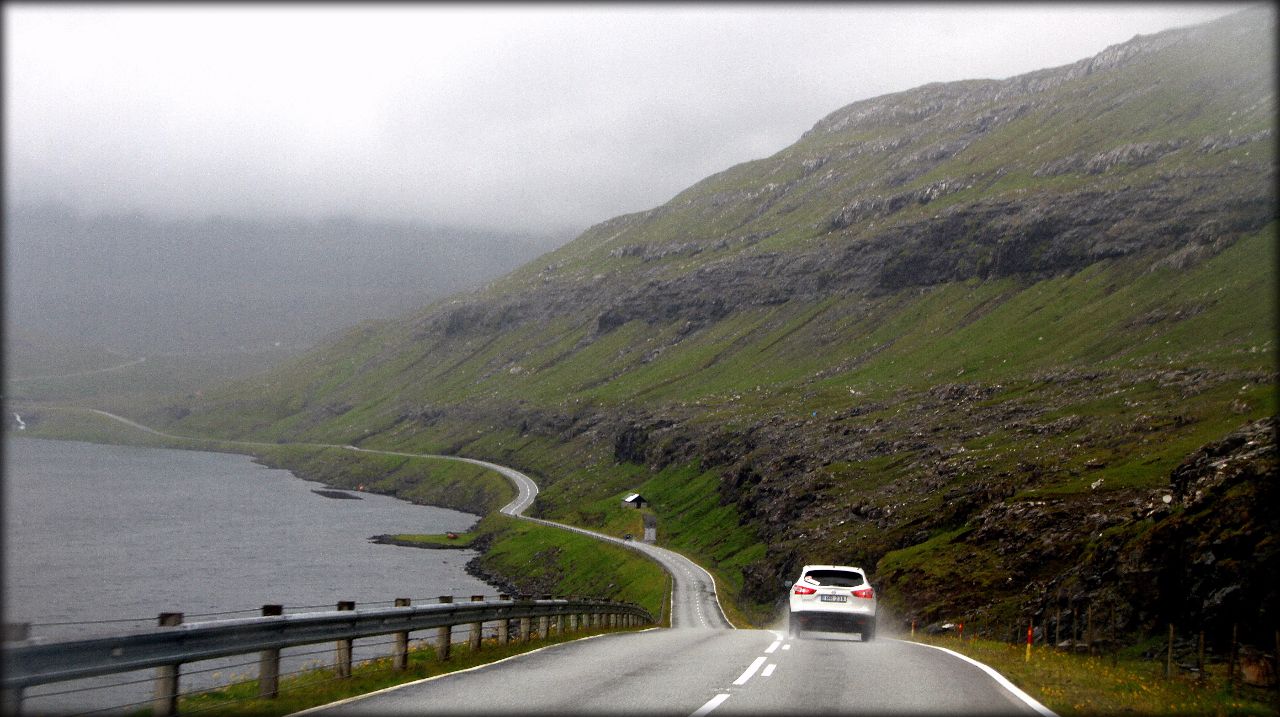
102	533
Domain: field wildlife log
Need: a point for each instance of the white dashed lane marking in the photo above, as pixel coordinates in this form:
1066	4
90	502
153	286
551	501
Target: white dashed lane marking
750	672
711	704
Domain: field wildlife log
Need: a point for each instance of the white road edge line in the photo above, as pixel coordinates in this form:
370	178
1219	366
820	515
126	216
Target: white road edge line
711	704
999	678
750	672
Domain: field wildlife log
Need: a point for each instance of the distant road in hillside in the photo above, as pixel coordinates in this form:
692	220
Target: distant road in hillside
74	374
694	602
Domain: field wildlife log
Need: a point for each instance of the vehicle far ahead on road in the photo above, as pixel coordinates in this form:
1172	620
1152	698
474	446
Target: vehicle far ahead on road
832	598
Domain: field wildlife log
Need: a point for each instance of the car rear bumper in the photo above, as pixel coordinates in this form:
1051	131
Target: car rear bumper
825	620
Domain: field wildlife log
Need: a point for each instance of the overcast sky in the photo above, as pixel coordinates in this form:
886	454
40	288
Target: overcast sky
537	117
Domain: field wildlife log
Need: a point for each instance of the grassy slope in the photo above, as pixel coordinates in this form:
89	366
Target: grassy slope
1102	350
840	354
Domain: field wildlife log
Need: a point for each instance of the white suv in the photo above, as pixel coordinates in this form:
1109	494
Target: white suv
833	597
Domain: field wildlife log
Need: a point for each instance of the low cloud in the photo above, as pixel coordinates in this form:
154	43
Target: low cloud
537	118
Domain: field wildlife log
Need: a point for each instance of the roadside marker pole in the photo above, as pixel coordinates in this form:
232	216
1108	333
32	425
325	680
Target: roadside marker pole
1030	633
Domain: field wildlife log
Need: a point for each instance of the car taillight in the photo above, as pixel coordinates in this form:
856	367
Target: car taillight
802	590
867	593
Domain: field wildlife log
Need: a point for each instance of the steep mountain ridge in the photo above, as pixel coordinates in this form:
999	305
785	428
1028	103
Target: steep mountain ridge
890	343
921	187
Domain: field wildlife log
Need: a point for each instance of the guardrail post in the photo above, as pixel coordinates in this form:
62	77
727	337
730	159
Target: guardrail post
525	622
476	628
165	702
544	622
400	649
444	633
11	700
342	658
504	625
269	661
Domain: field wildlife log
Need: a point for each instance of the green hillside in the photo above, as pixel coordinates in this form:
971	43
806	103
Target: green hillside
975	323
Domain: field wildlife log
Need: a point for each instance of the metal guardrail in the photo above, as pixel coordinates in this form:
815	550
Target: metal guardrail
167	648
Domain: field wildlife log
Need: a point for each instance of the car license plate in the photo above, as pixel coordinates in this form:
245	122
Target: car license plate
834	598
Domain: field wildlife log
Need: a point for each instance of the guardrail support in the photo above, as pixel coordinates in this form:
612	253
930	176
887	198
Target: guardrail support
165	702
400	649
476	628
342	658
544	622
444	633
11	700
269	661
525	622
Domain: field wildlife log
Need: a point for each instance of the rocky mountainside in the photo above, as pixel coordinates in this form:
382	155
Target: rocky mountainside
954	334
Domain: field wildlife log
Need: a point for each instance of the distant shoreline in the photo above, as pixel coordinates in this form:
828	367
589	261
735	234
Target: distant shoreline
393	540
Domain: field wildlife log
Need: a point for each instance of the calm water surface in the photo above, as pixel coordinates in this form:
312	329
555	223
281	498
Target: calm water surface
95	533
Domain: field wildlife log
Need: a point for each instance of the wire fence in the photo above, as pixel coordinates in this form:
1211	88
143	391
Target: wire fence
1203	653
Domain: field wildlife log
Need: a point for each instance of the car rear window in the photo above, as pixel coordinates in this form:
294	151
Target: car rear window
835	578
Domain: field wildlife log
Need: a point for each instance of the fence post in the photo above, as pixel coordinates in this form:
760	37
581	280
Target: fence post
400	649
1057	620
269	661
504	625
1088	628
166	692
1200	656
1276	695
444	633
1231	661
1111	628
476	628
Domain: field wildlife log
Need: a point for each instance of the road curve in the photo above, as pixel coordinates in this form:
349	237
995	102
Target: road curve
694	600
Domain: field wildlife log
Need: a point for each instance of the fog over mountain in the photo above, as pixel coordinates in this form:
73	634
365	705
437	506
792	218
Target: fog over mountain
541	117
138	284
151	151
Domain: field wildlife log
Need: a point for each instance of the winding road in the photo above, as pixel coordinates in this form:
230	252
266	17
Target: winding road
700	667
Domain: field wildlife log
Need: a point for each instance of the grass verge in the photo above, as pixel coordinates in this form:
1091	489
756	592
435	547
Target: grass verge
319	686
1073	684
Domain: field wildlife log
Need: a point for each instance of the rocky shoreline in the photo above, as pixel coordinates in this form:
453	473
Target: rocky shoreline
386	539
